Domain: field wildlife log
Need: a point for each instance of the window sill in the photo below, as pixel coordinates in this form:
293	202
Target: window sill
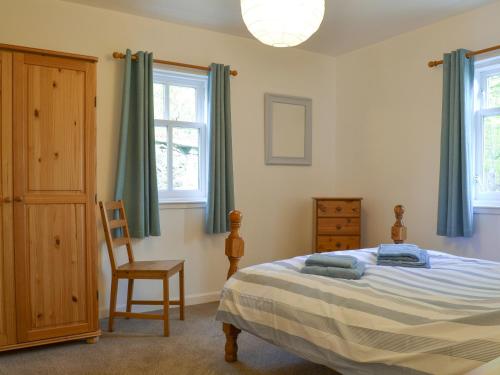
487	209
182	205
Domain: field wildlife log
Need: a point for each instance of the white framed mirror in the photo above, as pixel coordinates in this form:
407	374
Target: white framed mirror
288	130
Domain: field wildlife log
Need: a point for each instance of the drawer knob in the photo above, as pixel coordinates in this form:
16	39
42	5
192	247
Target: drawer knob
338	226
19	199
321	208
338	209
338	244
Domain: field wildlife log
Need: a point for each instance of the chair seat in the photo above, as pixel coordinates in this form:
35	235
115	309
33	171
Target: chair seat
153	266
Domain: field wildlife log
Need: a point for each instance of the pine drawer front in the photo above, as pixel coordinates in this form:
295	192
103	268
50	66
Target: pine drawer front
334	243
339	226
339	208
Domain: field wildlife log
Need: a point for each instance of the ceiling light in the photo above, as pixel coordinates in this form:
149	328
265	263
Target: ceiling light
282	23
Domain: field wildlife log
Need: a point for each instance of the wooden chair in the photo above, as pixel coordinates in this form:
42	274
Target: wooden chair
161	270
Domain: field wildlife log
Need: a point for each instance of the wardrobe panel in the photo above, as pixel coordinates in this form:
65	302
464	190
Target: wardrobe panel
54	193
7	292
55	128
57	272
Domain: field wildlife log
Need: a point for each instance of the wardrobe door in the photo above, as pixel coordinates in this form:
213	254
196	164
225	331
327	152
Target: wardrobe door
7	291
54	192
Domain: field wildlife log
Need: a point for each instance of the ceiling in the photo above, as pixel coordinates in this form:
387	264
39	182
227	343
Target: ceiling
348	24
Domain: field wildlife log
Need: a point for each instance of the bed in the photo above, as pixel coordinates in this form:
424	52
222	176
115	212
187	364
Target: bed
394	320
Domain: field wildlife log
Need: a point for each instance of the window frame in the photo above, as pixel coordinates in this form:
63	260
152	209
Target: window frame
199	82
483	69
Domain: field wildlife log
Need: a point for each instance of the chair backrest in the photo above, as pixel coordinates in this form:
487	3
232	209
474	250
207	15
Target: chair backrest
118	221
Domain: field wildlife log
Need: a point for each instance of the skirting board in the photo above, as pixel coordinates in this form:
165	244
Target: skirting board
192	299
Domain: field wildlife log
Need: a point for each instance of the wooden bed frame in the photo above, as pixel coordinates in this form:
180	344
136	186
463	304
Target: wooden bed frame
235	247
235	250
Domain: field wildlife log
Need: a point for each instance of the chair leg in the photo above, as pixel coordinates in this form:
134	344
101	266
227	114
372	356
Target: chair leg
130	292
112	302
181	293
166	306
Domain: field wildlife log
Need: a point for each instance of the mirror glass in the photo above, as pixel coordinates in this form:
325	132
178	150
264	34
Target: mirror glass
288	130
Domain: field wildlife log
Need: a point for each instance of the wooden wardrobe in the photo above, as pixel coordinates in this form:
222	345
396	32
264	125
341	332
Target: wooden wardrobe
48	272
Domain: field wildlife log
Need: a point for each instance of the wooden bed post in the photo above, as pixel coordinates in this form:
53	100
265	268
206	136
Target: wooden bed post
398	230
235	247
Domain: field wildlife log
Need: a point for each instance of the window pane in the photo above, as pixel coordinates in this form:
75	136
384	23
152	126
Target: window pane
182	103
159	100
491	154
186	158
493	91
161	137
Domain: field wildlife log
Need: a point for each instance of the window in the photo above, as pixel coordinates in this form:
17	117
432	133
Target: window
180	111
487	133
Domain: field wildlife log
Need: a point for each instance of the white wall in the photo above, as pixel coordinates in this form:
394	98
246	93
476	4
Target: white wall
388	130
275	200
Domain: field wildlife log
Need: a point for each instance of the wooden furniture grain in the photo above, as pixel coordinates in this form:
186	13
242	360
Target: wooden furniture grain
234	250
398	230
48	260
337	224
160	270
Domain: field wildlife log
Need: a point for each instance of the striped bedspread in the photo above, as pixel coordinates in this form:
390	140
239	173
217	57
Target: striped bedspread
443	320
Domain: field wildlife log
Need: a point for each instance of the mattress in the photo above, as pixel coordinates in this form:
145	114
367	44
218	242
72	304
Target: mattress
394	320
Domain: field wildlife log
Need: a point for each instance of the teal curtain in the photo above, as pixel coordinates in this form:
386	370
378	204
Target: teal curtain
136	174
455	215
220	199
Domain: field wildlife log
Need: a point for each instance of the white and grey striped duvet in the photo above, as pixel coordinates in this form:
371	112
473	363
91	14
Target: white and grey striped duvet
443	320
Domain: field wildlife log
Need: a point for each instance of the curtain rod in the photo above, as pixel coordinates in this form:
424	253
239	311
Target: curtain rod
119	55
434	63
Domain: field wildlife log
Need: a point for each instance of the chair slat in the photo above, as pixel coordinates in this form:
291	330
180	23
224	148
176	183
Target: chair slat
114	205
138	315
120	241
113	224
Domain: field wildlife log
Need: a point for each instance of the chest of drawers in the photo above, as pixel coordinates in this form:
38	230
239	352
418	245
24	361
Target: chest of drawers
337	224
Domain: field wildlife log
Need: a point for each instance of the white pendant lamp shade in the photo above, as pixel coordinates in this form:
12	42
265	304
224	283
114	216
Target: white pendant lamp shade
282	23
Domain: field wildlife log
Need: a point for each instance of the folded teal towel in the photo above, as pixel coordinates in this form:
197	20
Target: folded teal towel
332	260
402	255
401	252
336	272
424	262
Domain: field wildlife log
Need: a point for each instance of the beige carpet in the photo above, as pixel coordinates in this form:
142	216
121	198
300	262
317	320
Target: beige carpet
195	346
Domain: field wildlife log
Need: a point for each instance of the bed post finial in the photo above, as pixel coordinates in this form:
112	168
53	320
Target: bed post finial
398	230
235	245
235	248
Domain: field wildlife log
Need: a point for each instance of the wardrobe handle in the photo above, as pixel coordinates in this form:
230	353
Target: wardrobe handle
7	200
19	199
